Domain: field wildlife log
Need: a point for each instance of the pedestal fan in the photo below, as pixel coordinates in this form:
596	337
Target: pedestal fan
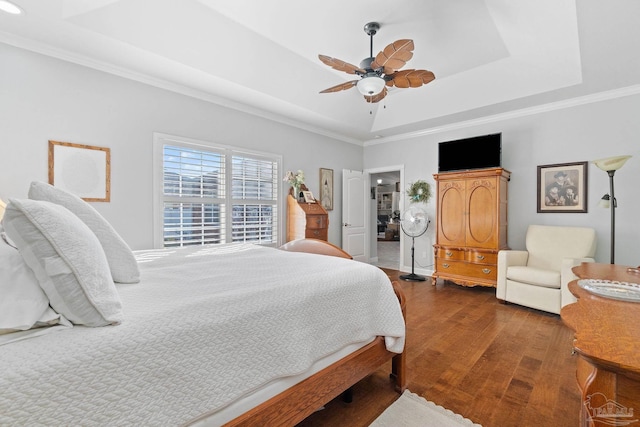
414	223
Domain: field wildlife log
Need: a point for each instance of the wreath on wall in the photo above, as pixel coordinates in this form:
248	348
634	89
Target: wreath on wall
419	191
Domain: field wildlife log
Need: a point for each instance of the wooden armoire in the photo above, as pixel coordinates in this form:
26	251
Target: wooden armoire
471	225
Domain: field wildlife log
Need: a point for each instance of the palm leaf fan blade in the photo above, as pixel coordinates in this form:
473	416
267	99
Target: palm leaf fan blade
340	65
415	78
394	56
376	98
426	76
411	78
400	79
341	86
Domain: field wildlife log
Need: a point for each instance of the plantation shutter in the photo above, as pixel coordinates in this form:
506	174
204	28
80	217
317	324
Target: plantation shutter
199	209
254	193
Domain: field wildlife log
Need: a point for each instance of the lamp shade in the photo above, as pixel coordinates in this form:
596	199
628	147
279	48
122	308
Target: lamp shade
611	163
371	85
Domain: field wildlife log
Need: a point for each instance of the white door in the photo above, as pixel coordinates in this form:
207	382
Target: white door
354	215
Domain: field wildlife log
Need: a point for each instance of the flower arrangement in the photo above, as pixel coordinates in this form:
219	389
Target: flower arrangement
295	180
419	191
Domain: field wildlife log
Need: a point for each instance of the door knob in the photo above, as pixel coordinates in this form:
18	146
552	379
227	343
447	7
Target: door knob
346	225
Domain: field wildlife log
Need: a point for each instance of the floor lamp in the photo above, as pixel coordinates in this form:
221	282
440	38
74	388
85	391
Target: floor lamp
610	165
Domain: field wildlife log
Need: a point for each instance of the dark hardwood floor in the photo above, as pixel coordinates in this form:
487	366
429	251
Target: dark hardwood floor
497	364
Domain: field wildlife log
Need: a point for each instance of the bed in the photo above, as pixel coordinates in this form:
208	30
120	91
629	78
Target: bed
233	334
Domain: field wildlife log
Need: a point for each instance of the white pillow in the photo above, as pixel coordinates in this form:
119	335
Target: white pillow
122	262
67	260
23	304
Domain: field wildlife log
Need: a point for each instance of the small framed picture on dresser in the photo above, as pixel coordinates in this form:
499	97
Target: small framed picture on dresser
308	197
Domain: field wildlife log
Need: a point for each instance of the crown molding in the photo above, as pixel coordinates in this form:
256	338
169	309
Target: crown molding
529	111
48	50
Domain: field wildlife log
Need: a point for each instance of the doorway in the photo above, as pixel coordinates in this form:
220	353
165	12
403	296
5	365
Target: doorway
386	204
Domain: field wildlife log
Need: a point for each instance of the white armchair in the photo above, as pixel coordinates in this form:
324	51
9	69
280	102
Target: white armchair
538	277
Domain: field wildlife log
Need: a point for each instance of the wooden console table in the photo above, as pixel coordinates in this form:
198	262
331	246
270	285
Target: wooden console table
607	341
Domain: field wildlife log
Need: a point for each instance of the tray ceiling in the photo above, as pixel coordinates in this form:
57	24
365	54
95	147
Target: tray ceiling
489	57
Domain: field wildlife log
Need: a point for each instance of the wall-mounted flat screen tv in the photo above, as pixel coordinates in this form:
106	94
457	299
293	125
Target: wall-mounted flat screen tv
478	152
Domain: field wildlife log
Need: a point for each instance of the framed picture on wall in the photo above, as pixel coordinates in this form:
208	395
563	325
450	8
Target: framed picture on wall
326	188
83	170
562	188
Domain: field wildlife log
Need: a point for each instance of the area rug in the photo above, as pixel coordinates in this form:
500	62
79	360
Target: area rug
411	410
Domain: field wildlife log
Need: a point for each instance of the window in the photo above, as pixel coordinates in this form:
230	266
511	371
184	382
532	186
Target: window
211	194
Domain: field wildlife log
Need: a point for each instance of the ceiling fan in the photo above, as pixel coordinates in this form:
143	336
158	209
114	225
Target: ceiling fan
381	71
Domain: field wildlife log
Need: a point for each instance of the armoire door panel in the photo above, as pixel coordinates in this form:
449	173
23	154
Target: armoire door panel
452	206
482	217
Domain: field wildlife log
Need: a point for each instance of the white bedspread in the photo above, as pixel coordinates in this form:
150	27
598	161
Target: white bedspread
203	327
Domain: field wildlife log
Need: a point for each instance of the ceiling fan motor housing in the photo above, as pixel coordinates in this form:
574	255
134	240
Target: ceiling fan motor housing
365	64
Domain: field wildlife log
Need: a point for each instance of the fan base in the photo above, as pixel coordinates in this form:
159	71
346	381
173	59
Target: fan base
413	277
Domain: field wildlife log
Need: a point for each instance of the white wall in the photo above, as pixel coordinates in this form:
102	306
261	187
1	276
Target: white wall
579	133
42	98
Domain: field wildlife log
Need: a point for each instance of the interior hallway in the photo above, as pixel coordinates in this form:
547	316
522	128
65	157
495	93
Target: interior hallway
388	254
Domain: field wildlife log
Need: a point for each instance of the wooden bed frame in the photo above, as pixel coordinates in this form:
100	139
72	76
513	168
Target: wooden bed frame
315	246
298	402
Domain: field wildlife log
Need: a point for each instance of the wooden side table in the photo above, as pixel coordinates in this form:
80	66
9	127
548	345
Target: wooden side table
607	341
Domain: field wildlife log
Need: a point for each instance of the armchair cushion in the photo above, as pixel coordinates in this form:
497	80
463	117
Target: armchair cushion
534	276
548	245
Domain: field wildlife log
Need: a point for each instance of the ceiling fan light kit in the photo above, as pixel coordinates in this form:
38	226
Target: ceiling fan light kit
371	85
380	71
